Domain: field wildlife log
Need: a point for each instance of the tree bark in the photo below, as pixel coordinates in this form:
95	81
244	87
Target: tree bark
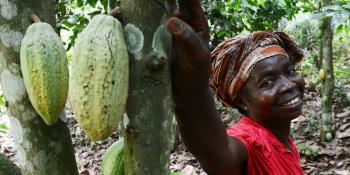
327	91
112	4
41	149
7	167
150	106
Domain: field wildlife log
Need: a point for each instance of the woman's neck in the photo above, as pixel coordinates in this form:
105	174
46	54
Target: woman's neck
280	130
282	133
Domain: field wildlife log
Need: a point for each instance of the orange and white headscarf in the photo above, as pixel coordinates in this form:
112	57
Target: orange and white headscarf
234	59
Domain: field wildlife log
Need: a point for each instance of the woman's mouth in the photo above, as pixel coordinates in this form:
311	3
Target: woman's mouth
292	107
292	101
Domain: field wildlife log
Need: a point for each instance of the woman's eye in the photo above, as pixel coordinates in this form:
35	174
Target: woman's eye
292	71
267	83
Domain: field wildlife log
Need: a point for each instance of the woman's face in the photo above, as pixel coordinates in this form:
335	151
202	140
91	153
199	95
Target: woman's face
274	91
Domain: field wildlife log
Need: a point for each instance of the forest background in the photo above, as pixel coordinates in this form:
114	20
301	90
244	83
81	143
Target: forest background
321	28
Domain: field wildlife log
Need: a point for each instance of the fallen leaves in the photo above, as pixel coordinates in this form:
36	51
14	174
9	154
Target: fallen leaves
333	158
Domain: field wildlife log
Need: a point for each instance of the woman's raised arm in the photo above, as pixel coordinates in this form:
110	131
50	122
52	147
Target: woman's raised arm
198	120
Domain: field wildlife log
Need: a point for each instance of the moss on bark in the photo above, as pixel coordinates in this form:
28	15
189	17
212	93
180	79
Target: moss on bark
7	167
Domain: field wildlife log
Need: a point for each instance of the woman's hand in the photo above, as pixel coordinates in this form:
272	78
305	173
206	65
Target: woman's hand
190	51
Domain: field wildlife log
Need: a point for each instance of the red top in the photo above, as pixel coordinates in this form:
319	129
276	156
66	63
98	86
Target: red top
266	154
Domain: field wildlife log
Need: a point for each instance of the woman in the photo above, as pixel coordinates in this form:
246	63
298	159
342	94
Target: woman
253	73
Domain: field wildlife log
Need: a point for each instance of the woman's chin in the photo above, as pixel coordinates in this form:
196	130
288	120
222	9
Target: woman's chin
291	111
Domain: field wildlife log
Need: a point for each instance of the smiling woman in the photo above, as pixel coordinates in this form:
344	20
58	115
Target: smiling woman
254	73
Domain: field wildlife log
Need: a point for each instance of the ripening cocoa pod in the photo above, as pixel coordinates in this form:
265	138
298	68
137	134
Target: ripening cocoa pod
113	159
322	74
44	67
99	80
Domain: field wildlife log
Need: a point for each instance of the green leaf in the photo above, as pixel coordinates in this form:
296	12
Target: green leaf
92	14
339	29
2	100
174	174
105	5
80	3
3	128
262	2
92	3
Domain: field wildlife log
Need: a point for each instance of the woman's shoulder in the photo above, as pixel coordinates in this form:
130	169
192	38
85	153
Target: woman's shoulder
253	136
246	129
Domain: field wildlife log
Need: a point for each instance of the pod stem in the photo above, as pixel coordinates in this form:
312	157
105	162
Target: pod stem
116	13
34	19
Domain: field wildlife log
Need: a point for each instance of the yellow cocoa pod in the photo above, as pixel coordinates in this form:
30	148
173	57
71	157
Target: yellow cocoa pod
44	67
322	74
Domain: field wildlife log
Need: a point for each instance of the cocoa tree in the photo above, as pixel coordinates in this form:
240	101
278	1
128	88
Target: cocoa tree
7	167
149	108
326	54
41	149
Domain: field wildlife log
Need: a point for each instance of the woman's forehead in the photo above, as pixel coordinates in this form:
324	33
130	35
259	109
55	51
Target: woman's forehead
272	62
271	65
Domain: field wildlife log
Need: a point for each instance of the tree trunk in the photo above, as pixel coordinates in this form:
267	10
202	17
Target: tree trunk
327	91
41	150
7	167
150	106
318	60
112	4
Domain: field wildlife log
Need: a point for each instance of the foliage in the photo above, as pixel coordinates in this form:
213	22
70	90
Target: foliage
2	100
302	29
307	151
175	173
74	15
231	17
308	5
3	127
313	122
340	14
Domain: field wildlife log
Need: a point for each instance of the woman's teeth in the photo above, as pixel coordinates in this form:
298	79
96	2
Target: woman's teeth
293	101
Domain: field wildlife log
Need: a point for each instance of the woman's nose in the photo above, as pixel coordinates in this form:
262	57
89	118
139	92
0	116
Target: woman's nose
286	84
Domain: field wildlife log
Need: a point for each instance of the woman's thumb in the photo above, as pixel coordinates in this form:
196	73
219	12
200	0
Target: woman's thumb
185	35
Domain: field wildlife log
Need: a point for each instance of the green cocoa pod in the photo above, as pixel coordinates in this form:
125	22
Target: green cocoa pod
44	67
329	136
99	80
113	159
325	99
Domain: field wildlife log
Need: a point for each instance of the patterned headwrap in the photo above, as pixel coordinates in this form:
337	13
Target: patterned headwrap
234	59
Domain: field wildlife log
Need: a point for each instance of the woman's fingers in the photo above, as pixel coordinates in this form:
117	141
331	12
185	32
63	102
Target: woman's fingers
184	35
192	13
173	10
191	8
